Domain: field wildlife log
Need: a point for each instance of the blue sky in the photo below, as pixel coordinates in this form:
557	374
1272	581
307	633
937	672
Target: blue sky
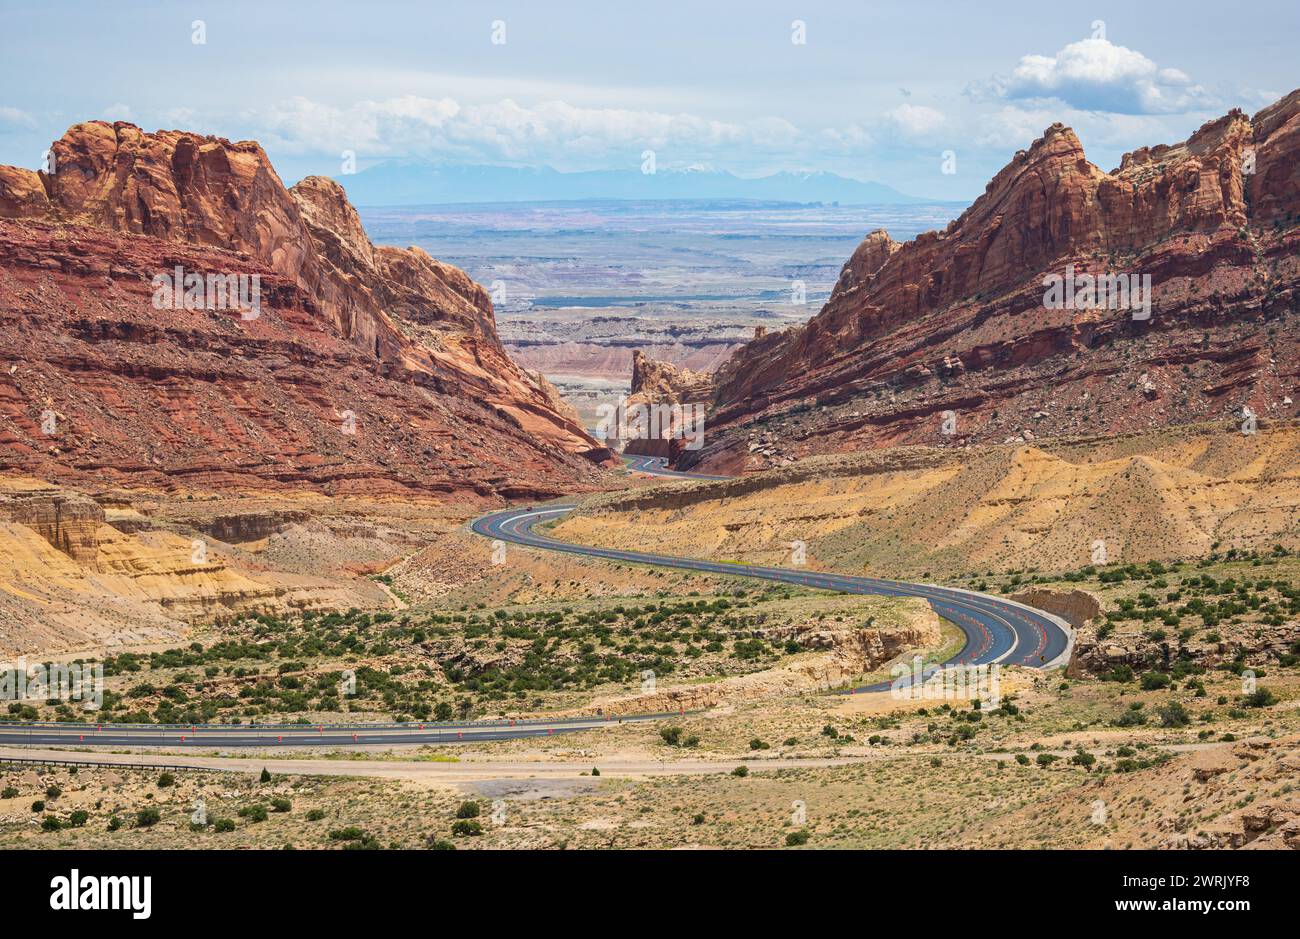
879	90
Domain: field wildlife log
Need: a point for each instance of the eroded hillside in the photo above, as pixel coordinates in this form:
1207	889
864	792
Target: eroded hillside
912	511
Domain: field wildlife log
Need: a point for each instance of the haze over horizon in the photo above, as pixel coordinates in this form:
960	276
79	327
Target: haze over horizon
894	94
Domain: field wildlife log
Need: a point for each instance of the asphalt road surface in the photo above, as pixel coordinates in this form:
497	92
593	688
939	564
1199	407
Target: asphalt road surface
296	735
658	466
997	631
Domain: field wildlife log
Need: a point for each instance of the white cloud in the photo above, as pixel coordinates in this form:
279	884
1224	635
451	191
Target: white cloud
118	112
15	117
505	131
1096	75
847	139
379	127
1012	126
186	118
916	120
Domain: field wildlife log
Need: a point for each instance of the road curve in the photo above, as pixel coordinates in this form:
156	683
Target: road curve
658	466
997	630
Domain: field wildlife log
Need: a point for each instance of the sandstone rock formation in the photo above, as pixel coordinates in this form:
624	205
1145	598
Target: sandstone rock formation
1076	607
948	340
654	381
365	368
661	383
1217	780
69	581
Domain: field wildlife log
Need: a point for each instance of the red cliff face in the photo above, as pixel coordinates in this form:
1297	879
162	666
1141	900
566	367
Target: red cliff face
664	384
366	368
655	382
957	321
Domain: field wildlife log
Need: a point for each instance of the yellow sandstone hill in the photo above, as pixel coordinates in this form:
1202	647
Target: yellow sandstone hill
70	581
1168	494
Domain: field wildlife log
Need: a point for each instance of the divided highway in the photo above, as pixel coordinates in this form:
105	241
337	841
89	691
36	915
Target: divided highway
658	466
997	631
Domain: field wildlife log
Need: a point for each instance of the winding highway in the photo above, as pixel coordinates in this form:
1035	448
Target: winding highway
658	466
997	630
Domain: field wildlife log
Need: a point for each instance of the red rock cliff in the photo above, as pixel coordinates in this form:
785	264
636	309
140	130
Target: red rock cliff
660	383
955	321
367	368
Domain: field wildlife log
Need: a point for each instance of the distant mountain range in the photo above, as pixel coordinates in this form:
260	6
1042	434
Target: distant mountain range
418	183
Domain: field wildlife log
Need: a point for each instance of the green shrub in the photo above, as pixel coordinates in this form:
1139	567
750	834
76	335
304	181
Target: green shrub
315	815
254	813
741	770
147	817
1174	714
468	809
467	827
223	825
165	780
796	838
1259	698
1130	718
1120	673
1154	681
